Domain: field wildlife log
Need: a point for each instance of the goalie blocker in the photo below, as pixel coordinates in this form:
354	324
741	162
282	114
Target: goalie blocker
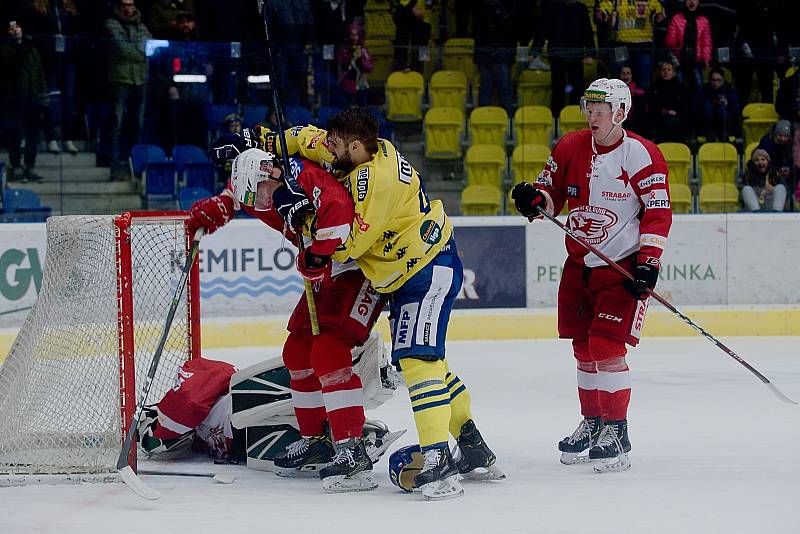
247	416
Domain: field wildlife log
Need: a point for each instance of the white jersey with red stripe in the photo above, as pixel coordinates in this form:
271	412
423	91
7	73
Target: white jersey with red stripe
618	196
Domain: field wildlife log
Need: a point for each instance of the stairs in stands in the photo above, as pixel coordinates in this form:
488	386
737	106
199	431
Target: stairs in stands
73	184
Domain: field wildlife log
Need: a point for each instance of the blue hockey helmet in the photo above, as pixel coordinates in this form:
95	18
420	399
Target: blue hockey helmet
404	464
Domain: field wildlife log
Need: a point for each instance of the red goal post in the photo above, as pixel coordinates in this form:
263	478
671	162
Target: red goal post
69	385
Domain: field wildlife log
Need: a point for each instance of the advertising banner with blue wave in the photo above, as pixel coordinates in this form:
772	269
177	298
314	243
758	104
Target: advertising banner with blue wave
247	269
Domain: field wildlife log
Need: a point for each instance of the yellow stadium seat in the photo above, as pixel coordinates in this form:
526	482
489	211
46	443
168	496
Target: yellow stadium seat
481	200
527	161
448	88
533	125
444	129
719	198
488	125
379	23
758	119
680	197
458	55
571	119
382	53
404	96
485	165
748	152
533	88
718	163
679	161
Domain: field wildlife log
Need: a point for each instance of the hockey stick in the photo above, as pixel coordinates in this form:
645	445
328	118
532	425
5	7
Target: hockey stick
124	468
276	105
222	478
611	263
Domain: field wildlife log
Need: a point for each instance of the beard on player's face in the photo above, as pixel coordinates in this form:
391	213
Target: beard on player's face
344	162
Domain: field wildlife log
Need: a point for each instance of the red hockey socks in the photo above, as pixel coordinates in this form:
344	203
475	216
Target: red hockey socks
332	361
613	377
587	379
309	407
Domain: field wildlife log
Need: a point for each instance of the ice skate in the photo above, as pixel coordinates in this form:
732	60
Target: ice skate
473	457
438	479
610	454
351	469
304	457
573	447
377	438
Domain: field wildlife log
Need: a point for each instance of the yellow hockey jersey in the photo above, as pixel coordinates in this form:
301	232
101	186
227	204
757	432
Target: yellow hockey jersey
397	230
632	20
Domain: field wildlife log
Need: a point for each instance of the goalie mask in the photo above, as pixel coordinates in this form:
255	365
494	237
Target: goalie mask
249	169
611	91
404	464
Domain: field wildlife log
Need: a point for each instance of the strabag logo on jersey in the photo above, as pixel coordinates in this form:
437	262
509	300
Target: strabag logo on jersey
362	183
430	232
616	196
592	223
365	304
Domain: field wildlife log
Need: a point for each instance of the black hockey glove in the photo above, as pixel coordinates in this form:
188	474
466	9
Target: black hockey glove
645	276
226	147
528	199
292	204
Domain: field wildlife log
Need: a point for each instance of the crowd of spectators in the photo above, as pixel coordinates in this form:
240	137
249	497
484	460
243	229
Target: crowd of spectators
690	64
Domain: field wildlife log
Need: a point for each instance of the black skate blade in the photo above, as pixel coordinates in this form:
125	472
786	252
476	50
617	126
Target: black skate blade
307	471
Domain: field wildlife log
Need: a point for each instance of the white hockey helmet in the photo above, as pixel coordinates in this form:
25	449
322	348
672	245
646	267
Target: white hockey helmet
612	91
250	168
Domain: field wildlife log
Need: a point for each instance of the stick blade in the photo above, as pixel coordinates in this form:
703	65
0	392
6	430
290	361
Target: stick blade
778	393
137	486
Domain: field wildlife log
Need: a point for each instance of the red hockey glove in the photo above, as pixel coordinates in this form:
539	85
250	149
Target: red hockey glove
210	213
645	276
313	267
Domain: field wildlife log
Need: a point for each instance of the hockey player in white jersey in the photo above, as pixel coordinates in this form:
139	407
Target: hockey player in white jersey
615	185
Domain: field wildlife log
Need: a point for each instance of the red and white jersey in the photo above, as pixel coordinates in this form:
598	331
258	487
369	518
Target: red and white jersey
618	196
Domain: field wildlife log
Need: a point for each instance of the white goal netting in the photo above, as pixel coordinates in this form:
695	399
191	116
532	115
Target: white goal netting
62	402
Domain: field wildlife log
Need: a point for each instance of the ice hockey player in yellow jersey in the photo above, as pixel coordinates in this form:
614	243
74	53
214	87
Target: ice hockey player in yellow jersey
403	242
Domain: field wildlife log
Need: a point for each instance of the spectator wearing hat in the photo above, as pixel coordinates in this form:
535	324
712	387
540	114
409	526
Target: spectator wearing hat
162	20
763	187
778	144
232	123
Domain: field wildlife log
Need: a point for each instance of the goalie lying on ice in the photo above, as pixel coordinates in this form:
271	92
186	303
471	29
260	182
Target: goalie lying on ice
247	416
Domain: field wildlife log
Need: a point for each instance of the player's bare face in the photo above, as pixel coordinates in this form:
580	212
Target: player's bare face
264	194
343	158
598	116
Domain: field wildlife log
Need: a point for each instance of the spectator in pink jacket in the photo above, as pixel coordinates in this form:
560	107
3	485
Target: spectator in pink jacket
689	41
354	64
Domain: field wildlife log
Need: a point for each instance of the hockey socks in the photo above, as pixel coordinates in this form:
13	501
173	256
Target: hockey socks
332	361
430	400
460	402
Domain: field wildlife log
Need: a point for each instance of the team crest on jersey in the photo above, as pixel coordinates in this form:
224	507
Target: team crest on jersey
362	183
592	223
430	232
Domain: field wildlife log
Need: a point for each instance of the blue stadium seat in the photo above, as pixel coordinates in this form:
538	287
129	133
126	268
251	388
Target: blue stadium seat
184	154
253	115
298	116
160	182
142	155
325	113
216	113
201	174
189	195
23	205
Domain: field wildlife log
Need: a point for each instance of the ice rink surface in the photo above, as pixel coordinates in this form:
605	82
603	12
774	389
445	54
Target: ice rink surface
713	452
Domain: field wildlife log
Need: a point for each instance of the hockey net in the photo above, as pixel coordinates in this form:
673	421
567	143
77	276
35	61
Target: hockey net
71	381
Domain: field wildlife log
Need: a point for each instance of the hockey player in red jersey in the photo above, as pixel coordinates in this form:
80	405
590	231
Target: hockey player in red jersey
615	185
324	387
